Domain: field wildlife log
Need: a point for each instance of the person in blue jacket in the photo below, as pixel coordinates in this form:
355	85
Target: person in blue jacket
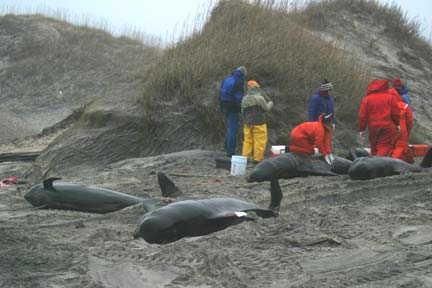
321	102
402	90
231	94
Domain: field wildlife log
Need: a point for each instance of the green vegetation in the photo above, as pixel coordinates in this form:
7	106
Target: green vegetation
277	51
280	44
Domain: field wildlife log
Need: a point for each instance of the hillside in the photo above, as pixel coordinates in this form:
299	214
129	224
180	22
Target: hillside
179	100
386	42
124	106
50	68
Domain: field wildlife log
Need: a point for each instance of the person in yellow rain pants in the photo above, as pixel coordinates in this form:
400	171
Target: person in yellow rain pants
254	107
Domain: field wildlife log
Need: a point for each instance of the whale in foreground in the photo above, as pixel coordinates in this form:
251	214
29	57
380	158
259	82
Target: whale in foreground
191	218
56	194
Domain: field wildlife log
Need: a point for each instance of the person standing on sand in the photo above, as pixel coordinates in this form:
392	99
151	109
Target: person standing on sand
401	149
402	90
321	102
254	107
231	94
308	138
380	113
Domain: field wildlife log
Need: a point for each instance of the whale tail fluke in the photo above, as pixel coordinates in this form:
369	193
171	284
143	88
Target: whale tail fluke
167	186
427	159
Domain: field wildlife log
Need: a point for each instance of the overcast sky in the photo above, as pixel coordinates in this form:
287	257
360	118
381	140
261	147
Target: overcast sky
165	18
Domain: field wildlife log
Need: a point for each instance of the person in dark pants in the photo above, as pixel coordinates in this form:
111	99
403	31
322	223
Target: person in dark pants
231	94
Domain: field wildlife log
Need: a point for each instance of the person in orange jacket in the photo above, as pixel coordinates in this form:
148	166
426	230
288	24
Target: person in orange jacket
380	113
311	137
401	149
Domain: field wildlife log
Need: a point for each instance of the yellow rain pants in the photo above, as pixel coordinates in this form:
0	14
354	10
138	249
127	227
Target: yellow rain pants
254	141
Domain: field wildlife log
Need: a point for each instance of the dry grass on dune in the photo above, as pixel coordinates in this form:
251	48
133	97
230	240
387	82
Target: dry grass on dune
398	26
277	51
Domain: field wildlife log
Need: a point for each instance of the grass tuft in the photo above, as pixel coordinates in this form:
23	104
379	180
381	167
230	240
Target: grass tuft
265	37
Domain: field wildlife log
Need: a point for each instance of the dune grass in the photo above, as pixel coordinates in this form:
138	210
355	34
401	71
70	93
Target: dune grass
398	26
83	21
285	58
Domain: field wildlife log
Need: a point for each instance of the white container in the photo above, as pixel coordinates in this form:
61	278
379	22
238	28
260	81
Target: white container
238	165
277	150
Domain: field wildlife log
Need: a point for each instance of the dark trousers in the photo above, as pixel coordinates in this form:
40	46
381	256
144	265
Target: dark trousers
232	121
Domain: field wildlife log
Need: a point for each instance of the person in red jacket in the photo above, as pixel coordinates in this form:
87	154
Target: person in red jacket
306	137
401	149
379	112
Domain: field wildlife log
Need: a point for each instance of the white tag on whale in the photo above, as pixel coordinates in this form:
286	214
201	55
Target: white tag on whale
240	214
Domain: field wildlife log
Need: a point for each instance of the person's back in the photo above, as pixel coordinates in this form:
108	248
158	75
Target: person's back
230	97
307	136
402	90
378	108
401	149
232	90
379	112
303	137
254	107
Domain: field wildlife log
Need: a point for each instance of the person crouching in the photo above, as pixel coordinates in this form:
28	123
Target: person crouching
254	107
311	138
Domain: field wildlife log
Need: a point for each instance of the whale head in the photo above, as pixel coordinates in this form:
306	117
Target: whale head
159	230
38	196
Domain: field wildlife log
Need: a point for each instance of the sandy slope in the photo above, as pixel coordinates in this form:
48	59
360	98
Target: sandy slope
332	232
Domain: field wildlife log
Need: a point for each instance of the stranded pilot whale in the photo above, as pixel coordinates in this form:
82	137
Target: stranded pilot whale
374	167
70	196
290	165
192	217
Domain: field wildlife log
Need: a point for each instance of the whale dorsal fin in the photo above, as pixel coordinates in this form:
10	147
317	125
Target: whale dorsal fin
48	183
168	188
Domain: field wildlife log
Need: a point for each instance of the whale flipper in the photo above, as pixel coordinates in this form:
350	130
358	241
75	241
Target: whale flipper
168	188
48	183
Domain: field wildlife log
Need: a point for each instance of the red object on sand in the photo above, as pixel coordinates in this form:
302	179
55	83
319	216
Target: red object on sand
8	181
419	150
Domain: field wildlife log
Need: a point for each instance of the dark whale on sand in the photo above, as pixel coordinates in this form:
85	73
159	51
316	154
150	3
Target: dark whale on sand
289	165
191	218
374	167
70	196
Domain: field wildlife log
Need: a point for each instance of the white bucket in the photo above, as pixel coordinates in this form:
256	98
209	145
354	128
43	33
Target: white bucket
238	165
277	150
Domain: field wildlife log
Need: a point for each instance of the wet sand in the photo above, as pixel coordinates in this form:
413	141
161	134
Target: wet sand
331	232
